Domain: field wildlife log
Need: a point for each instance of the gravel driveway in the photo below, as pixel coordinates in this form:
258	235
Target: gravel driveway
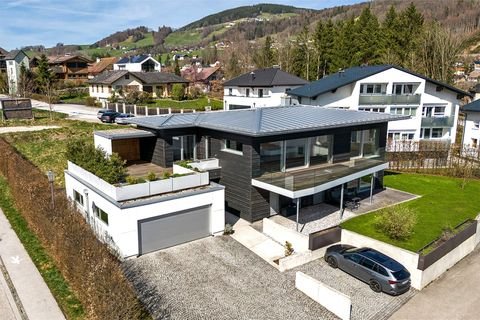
218	278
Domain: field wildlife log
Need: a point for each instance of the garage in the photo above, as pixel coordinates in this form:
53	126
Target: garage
172	229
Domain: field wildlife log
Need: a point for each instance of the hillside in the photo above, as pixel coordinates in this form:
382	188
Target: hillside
250	23
241	13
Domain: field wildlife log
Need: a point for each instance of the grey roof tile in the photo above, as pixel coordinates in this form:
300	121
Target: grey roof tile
473	106
266	78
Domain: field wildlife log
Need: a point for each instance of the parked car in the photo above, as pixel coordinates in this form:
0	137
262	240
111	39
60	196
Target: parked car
122	117
102	111
109	116
381	272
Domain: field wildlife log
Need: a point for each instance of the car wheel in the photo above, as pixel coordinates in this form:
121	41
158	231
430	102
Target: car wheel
332	262
375	286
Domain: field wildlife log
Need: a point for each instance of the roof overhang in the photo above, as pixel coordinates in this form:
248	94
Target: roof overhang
120	134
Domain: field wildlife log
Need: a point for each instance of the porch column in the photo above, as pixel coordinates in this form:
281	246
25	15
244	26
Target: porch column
298	210
341	201
372	180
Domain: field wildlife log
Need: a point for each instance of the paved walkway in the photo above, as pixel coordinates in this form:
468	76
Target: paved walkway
25	128
455	295
75	111
33	294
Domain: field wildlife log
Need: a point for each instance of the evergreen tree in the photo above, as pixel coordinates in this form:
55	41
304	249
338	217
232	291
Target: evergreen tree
410	31
26	83
168	62
177	69
303	55
344	48
265	57
324	44
389	33
233	68
46	80
367	42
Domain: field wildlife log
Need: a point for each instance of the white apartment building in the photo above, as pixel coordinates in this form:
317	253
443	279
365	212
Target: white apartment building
14	61
140	63
433	106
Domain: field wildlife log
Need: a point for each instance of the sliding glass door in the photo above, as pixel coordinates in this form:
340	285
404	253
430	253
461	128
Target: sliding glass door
295	153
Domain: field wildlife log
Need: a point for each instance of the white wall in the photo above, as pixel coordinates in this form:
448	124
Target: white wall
470	132
333	300
281	234
136	67
272	97
103	143
122	227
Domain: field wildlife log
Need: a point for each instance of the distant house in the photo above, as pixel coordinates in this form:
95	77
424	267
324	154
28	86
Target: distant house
259	88
67	67
201	77
471	128
140	63
101	65
159	84
180	57
3	63
476	65
14	61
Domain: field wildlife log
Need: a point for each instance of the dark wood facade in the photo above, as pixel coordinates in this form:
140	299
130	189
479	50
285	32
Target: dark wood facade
237	170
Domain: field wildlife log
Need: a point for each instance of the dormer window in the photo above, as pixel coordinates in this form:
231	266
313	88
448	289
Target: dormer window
127	76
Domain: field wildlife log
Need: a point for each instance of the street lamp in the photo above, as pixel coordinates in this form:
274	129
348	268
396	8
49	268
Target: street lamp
51	180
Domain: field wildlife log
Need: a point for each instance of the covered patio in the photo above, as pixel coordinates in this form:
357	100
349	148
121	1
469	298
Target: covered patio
322	216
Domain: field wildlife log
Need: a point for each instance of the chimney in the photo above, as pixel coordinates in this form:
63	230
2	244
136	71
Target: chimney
252	75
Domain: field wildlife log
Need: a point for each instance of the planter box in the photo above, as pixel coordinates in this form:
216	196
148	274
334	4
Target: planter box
424	261
324	238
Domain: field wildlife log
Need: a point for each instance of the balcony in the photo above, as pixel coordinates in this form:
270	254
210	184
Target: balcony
438	122
315	179
388	99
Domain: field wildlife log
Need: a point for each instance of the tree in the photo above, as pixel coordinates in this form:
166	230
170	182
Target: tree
301	57
46	81
233	67
324	39
343	47
367	39
410	31
389	32
168	62
3	83
26	83
177	69
266	56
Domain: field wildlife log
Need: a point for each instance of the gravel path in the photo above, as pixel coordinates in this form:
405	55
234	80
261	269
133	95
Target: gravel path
218	278
25	128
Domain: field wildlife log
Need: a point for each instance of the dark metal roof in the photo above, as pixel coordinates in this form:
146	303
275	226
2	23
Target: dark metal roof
110	77
350	75
267	121
13	54
473	106
133	59
266	78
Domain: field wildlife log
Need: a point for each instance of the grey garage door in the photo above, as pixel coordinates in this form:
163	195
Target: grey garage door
169	230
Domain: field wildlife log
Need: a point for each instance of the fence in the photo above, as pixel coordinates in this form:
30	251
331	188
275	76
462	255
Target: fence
144	110
93	272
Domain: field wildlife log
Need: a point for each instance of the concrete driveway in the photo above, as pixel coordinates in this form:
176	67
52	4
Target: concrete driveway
218	278
455	295
74	111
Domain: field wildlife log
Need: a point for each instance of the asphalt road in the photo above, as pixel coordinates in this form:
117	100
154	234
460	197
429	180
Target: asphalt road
75	111
455	295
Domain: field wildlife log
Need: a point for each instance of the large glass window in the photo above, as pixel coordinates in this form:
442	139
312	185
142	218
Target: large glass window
364	143
100	214
403	88
433	111
295	151
320	149
271	156
183	147
232	145
373	88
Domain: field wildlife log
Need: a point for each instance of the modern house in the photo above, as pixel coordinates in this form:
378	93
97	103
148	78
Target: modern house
471	128
159	84
259	88
140	63
270	159
180	206
14	61
101	65
432	105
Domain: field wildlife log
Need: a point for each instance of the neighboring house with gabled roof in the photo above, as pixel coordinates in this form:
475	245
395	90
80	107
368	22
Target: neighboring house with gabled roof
201	76
159	84
471	127
101	65
67	67
14	61
432	105
139	63
3	63
259	88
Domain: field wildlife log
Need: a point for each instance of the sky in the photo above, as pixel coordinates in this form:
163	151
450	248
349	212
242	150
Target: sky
48	22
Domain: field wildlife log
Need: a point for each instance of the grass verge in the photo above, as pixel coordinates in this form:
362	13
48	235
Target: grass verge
444	204
197	104
60	289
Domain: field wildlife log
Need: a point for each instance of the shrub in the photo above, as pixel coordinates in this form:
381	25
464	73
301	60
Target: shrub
109	168
132	180
91	101
151	176
288	249
166	175
184	163
228	229
195	93
178	92
397	222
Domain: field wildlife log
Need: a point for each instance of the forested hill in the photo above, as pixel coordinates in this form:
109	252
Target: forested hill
243	12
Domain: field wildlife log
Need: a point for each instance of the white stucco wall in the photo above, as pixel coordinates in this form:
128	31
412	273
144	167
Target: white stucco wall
103	143
136	67
470	132
123	223
272	97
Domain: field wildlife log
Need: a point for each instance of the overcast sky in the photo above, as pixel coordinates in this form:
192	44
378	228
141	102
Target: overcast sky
47	22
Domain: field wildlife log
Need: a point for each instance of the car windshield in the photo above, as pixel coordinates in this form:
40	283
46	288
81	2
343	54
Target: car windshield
401	274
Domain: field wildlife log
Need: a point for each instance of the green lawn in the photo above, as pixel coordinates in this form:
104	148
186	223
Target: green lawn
183	38
46	148
197	104
44	263
40	118
444	204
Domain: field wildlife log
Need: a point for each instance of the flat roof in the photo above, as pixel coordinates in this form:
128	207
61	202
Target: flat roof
126	133
267	121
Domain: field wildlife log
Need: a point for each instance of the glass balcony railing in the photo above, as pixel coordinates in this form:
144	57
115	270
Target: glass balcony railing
320	174
441	122
387	99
